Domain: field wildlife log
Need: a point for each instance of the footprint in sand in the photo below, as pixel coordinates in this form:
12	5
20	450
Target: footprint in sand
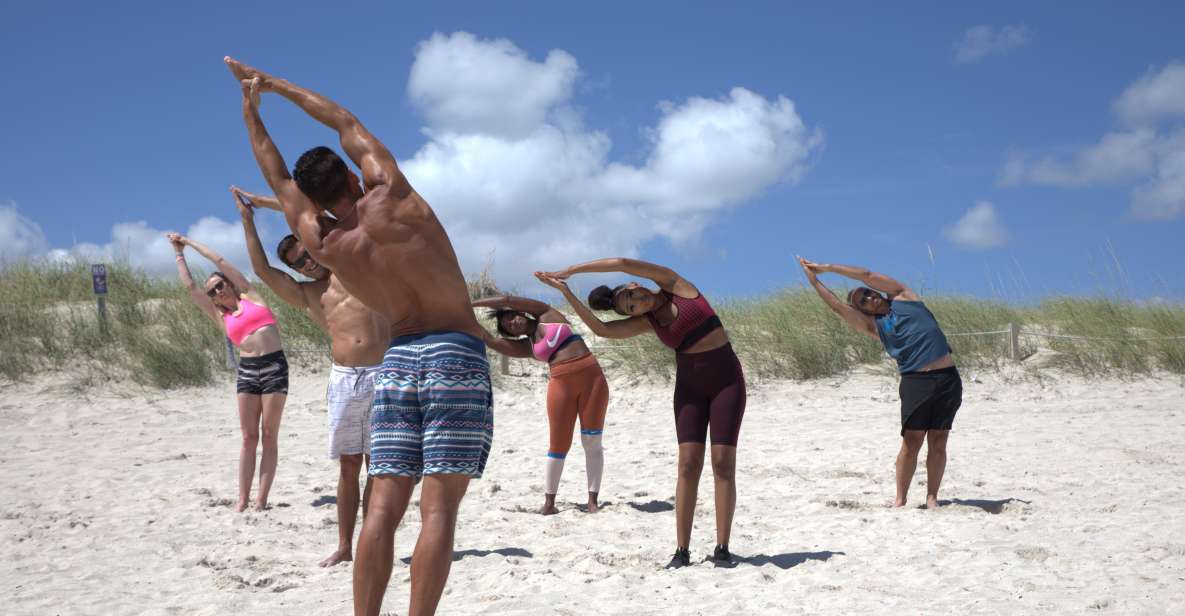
850	505
1037	554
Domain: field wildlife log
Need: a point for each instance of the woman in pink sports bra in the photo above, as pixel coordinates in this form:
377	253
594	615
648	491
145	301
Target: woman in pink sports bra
577	387
262	382
709	382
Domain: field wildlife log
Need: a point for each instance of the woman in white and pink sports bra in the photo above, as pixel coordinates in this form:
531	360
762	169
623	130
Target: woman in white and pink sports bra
577	388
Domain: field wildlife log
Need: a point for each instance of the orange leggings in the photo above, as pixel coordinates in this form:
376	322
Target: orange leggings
577	389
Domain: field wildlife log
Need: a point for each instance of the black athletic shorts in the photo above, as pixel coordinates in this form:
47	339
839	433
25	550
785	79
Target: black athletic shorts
266	374
929	400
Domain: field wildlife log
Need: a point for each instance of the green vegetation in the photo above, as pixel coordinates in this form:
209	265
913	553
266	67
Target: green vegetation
155	336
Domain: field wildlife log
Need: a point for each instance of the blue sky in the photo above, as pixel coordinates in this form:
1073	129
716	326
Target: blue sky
905	120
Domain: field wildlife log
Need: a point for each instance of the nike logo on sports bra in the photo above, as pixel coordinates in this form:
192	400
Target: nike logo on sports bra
554	339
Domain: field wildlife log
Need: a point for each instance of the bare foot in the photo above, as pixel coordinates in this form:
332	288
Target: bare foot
931	502
340	556
548	509
260	506
898	502
241	507
593	507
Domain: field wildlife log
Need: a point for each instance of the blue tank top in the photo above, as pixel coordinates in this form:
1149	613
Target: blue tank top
911	335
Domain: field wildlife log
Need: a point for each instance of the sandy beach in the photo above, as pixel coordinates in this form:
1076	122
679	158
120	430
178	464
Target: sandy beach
1063	495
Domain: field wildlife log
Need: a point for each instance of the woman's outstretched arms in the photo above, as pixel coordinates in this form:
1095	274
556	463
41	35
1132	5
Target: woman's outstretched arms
854	318
532	307
236	277
666	278
196	294
623	328
885	284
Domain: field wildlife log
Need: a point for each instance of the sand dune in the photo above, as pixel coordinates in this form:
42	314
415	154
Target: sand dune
1062	495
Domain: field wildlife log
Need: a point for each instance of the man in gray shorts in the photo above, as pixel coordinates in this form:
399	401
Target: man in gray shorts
358	338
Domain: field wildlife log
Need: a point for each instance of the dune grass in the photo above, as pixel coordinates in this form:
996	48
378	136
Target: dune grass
155	336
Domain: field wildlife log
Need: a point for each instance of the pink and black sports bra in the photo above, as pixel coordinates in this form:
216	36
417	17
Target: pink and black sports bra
555	337
694	320
251	317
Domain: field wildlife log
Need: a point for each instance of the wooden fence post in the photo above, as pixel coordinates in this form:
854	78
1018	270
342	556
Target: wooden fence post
231	364
99	283
1013	342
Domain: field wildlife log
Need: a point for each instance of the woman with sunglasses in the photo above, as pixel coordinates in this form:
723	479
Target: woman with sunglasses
709	382
931	390
262	384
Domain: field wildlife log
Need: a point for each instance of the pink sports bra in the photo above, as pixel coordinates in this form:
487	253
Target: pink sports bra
555	337
251	317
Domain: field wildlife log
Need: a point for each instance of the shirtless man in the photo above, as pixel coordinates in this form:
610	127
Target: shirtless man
433	408
357	340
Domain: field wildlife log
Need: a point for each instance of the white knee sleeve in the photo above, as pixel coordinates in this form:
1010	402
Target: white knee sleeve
594	460
551	474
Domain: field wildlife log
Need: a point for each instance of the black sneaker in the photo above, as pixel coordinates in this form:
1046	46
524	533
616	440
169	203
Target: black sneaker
682	558
721	554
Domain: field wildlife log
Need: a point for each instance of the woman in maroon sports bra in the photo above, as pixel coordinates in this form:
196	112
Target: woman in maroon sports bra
709	383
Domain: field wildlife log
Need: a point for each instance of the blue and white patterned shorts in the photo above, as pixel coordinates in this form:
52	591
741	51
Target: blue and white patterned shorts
433	409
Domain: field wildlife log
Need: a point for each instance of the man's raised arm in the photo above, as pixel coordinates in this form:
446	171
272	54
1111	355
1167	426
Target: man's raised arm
299	211
368	153
279	282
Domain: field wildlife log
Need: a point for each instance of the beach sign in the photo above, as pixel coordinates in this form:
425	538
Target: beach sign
99	278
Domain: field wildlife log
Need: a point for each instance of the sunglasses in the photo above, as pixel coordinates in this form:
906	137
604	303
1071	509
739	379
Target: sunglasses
212	291
864	297
301	260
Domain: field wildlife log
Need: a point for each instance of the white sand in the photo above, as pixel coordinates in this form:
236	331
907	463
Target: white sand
1067	497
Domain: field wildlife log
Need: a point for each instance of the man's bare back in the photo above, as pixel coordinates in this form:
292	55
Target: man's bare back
394	256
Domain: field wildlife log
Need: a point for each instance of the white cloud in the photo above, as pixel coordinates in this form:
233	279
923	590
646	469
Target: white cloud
1154	96
979	228
1163	197
513	173
1116	157
982	41
137	243
1151	152
464	84
20	238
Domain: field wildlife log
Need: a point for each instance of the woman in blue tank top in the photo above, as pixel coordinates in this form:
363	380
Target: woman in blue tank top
931	390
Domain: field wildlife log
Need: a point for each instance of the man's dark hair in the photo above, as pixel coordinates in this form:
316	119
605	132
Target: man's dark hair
321	175
284	246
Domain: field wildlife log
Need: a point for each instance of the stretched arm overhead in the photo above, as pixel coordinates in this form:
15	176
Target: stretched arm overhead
854	318
281	283
532	307
873	280
236	277
509	348
622	328
368	153
664	277
197	295
254	200
298	209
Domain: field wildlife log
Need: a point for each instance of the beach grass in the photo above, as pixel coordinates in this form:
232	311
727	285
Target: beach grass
155	336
